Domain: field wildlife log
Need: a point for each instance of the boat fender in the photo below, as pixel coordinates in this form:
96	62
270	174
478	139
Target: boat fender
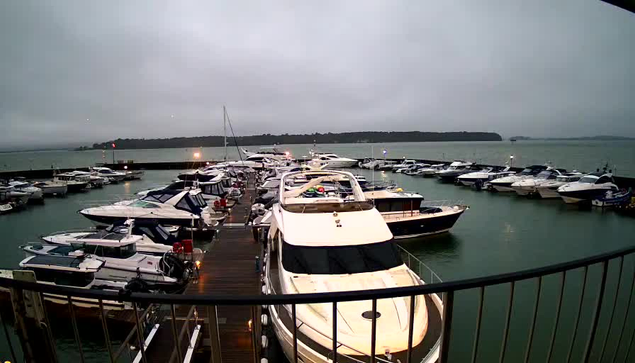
264	342
264	319
264	360
264	289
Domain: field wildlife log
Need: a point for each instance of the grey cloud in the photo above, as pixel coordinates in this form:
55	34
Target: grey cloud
532	68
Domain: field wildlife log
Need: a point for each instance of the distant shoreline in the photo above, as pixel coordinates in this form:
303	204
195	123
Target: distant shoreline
289	139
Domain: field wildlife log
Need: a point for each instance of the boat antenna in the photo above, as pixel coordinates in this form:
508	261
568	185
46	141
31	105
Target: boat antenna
231	128
225	131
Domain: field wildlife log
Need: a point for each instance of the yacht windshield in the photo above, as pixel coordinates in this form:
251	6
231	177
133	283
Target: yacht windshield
588	179
333	260
544	175
142	204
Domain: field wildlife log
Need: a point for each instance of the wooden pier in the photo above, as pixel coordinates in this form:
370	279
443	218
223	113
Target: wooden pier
229	267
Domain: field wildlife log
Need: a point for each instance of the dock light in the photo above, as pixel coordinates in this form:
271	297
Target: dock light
125	167
511	156
207	163
249	324
385	151
198	264
197	155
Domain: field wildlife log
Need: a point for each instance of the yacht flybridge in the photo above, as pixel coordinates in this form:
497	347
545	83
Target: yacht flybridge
332	241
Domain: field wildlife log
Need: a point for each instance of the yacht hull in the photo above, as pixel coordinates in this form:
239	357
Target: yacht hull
423	224
581	196
60	190
108	220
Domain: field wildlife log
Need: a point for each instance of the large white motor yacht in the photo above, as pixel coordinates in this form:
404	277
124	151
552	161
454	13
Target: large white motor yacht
329	242
453	171
587	188
35	193
334	161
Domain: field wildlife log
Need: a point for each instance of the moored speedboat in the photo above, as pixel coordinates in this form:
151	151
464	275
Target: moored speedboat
504	184
114	176
456	169
483	176
334	161
122	262
587	188
548	189
431	170
35	193
339	242
165	206
528	185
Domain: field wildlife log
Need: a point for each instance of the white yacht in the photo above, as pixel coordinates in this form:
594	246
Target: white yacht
149	236
404	164
35	193
72	272
52	188
10	194
269	152
185	208
527	186
334	161
548	189
587	188
74	183
504	184
431	170
113	176
122	262
453	171
94	181
483	176
339	242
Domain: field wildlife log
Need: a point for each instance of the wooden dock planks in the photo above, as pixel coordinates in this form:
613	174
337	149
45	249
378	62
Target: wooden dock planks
228	268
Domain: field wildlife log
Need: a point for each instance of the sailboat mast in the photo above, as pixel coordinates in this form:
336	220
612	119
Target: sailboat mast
225	130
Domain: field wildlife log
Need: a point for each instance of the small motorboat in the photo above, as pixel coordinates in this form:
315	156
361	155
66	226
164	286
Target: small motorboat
456	169
611	199
122	262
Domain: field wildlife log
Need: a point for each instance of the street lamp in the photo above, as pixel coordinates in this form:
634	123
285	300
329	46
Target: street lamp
511	160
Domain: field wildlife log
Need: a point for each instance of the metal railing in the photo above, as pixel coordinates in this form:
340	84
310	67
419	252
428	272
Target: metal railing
593	294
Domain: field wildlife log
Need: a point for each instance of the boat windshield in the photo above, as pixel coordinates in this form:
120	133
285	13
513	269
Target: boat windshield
142	204
334	260
527	171
588	179
545	175
124	251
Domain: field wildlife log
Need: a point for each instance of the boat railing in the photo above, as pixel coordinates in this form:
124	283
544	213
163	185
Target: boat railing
578	310
441	203
419	267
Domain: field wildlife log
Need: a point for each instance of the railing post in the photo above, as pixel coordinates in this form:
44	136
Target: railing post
533	321
214	335
334	332
175	335
477	329
617	295
295	333
373	331
78	340
448	305
596	315
626	315
140	338
507	321
104	326
557	319
577	320
411	323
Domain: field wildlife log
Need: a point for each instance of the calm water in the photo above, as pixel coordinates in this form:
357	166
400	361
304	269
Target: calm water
581	155
499	233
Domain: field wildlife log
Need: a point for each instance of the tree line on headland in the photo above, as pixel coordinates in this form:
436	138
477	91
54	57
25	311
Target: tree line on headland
286	139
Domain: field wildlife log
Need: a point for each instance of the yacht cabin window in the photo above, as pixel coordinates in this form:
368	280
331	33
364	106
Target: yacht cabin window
334	260
66	278
125	251
588	179
604	179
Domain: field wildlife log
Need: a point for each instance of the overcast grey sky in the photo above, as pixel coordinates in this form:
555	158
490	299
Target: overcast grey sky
165	68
